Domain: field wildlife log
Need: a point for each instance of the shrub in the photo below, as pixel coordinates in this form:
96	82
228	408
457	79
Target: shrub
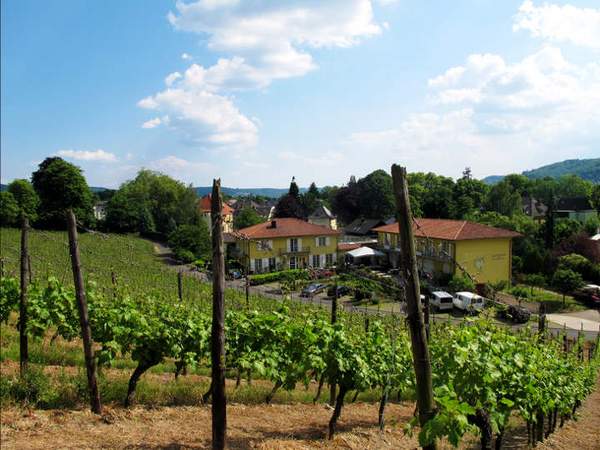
461	283
193	238
184	255
283	275
519	292
566	281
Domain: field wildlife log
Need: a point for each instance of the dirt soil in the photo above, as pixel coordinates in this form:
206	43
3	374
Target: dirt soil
253	427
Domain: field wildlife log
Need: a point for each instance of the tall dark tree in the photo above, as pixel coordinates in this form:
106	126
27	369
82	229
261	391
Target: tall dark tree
26	197
311	198
289	206
61	185
294	191
376	195
345	202
469	195
504	199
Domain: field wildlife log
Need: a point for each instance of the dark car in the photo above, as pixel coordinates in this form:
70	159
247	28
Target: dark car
341	291
516	314
312	289
589	294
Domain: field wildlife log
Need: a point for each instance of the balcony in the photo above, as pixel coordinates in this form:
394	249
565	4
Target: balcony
295	252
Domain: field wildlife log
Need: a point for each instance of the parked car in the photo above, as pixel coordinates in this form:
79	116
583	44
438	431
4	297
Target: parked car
589	294
312	289
440	301
468	302
516	314
341	291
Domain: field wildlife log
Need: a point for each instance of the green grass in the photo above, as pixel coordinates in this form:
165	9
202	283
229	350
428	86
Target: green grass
553	301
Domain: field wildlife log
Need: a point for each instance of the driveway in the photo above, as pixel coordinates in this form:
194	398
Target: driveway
588	320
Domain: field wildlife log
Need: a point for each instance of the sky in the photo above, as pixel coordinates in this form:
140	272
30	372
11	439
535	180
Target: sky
255	92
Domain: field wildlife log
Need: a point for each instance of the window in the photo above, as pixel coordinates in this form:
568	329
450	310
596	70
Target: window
315	260
293	245
258	265
386	239
329	259
265	245
322	242
272	264
293	262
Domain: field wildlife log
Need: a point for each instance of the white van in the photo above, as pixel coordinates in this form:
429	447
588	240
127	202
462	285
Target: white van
468	301
440	301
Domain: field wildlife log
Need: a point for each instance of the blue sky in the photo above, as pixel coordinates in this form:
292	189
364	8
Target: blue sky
255	92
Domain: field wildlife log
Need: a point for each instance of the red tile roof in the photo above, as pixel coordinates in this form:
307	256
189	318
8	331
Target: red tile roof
204	205
451	230
286	227
347	246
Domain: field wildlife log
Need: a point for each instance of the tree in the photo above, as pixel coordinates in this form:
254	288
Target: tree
9	210
468	196
345	202
246	218
534	280
26	197
504	199
595	197
311	198
294	191
61	186
289	206
566	281
191	238
578	264
376	195
152	202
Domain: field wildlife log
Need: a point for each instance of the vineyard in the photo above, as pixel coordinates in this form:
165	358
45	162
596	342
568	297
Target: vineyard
484	377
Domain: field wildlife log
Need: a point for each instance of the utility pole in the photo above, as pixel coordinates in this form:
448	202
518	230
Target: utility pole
334	301
23	344
86	332
219	401
409	270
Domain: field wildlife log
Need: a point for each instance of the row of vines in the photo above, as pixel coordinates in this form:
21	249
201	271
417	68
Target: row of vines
482	374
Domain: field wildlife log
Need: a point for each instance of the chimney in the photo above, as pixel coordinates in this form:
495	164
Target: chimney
273	224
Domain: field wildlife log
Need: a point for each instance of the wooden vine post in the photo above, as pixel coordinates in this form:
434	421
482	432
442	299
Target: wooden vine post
180	285
23	345
408	267
334	302
219	401
86	332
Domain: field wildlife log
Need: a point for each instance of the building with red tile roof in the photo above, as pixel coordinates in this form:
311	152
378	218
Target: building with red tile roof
204	207
447	247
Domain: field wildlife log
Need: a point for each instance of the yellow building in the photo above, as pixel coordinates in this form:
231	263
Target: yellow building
287	243
451	246
204	206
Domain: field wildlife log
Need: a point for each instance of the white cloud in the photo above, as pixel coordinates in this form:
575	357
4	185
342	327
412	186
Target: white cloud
171	78
88	155
579	26
323	160
152	123
497	116
269	40
262	42
186	56
202	116
182	169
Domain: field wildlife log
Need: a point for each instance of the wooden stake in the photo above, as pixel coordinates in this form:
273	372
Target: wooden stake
23	344
219	401
86	332
332	385
408	267
180	285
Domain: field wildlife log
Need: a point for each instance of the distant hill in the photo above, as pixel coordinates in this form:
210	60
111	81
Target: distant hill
588	169
238	192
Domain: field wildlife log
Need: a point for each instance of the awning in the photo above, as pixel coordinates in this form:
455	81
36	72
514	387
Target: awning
364	251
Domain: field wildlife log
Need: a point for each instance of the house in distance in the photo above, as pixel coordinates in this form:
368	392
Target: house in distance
447	247
286	243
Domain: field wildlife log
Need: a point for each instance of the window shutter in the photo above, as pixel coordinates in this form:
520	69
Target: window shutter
317	241
327	241
289	245
299	244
